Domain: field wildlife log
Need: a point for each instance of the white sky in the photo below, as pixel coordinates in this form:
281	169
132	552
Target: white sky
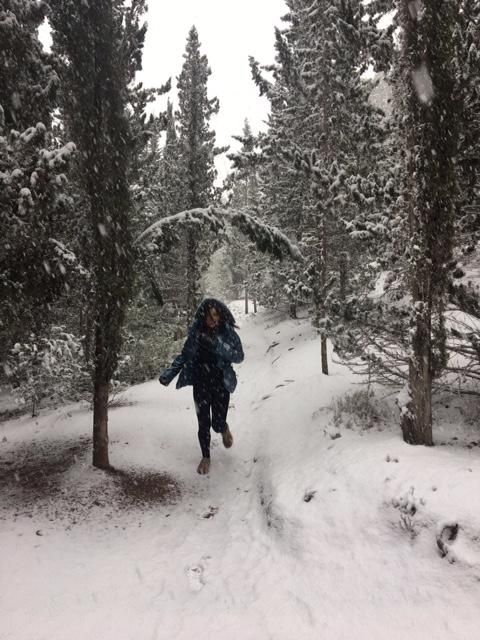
229	32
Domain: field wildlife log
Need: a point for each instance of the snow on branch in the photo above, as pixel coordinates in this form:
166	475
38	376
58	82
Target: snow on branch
163	233
268	239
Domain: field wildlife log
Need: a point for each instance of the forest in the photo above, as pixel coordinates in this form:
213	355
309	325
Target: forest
372	178
352	215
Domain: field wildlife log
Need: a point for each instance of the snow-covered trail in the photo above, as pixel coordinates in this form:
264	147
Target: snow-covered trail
295	534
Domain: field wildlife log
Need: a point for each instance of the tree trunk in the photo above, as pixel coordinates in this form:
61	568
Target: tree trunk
192	277
246	299
324	355
343	267
323	282
416	422
100	425
254	305
88	36
431	135
293	310
156	291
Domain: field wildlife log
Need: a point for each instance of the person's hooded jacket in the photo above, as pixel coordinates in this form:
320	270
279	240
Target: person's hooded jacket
226	347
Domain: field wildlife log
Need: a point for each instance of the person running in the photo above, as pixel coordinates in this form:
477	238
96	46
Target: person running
206	361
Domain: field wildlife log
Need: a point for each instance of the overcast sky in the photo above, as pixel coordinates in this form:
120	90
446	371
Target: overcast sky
229	32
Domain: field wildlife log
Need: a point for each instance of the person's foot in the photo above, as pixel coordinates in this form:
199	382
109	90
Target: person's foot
204	466
227	438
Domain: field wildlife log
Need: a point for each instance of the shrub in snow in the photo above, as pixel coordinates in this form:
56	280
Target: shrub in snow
358	409
47	367
408	504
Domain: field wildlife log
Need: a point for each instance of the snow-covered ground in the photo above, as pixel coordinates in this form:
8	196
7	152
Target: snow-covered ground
309	527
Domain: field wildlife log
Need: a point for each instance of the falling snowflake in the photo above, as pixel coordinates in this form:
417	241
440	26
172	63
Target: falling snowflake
103	230
423	84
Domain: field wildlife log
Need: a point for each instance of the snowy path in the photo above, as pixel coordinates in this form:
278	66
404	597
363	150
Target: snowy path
295	534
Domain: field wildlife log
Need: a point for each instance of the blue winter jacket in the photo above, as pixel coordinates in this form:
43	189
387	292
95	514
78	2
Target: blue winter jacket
227	349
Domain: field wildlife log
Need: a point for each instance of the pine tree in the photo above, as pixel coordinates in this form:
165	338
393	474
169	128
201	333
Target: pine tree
170	170
464	339
172	200
197	151
431	135
29	81
322	118
244	194
33	167
102	43
467	71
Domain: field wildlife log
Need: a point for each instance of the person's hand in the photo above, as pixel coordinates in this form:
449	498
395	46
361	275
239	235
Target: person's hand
163	380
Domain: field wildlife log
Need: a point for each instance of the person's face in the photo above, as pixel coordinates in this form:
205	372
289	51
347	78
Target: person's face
213	318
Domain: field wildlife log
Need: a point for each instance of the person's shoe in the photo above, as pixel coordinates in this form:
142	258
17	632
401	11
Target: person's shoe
227	438
204	466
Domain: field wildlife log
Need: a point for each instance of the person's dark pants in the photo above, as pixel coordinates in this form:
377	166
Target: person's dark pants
211	404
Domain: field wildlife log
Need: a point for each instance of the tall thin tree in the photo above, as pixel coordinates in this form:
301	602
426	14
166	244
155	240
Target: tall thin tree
431	135
197	149
101	64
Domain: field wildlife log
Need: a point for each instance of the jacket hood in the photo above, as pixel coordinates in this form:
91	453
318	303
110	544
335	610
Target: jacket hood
201	312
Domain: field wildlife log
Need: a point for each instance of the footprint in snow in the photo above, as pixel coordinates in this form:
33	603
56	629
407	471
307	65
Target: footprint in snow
196	574
196	578
211	511
447	534
391	459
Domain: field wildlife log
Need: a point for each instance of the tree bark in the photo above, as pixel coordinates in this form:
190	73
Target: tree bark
100	425
417	420
343	269
323	283
324	354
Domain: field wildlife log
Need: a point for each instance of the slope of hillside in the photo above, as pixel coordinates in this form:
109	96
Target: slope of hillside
310	526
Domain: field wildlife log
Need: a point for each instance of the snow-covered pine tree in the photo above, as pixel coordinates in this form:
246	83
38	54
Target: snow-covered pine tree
151	319
467	70
378	334
102	58
244	194
467	62
173	200
197	151
465	338
172	197
245	163
368	316
285	198
431	135
325	121
33	165
155	313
